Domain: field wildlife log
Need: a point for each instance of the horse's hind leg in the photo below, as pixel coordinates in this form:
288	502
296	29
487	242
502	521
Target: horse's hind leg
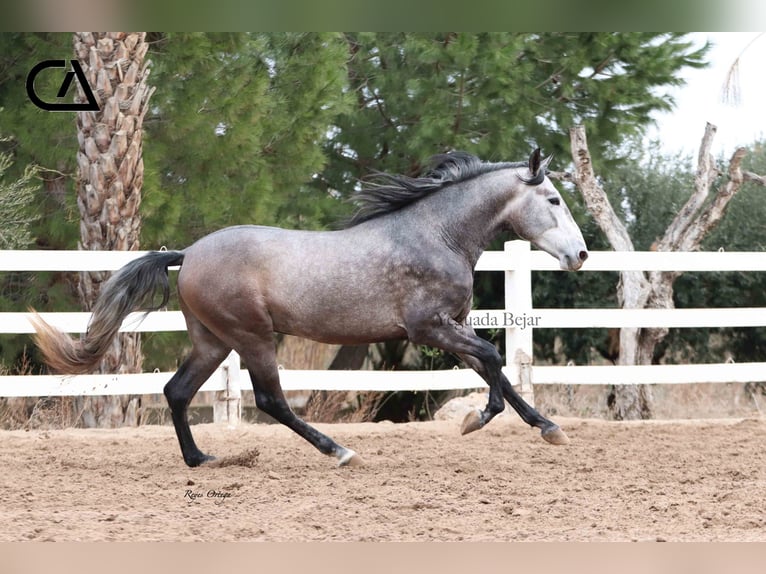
260	359
206	355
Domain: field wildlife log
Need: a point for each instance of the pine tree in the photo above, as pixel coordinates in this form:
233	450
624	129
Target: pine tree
237	131
46	140
40	138
497	94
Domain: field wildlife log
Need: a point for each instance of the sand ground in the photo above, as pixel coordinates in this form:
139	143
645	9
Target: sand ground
694	480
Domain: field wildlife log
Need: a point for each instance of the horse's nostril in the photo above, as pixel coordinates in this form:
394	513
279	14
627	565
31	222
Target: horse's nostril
583	255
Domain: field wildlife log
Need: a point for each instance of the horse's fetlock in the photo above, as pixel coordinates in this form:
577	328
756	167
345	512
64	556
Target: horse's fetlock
495	407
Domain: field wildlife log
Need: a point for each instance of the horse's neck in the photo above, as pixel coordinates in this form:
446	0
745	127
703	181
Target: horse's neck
467	214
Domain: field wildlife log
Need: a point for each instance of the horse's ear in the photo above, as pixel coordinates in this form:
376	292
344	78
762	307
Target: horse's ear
534	161
546	162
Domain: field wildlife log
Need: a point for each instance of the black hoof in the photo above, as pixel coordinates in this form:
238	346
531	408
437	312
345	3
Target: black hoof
199	459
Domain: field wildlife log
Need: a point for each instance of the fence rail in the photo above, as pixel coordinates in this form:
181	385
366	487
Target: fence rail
519	320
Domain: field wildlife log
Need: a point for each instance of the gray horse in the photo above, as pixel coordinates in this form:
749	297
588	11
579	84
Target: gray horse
401	269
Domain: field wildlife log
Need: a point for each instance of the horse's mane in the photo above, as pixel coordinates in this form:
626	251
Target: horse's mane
387	193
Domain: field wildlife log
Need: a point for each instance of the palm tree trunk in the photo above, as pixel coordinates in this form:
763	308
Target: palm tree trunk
111	174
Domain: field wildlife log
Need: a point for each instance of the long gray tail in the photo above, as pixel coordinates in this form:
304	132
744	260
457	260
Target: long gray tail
133	288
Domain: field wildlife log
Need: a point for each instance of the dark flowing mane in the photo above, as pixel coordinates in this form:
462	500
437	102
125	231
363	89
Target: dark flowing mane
387	193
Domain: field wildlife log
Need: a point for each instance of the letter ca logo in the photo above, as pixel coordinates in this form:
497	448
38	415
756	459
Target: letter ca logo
90	105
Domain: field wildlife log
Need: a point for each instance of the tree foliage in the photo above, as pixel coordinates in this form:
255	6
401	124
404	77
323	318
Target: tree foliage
48	141
16	196
235	132
16	218
497	94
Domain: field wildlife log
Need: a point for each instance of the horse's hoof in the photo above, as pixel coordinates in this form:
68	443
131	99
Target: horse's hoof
471	422
350	459
204	459
555	436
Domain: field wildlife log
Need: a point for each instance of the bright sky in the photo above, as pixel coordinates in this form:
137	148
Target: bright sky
700	100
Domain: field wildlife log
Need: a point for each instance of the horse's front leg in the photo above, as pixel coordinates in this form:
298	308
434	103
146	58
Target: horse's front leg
447	334
477	418
474	420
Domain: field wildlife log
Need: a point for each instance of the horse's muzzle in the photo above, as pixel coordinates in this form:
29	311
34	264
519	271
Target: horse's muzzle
571	263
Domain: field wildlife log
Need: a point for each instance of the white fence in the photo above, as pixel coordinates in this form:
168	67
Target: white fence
519	319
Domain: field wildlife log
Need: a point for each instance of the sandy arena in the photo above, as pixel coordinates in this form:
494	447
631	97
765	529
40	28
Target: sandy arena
701	480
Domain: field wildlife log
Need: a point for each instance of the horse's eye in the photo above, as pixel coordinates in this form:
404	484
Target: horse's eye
554	201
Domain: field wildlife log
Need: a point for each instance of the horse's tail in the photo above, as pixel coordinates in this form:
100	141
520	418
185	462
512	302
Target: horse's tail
132	288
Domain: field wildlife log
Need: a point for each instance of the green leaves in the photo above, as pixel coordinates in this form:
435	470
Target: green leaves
238	131
496	94
16	196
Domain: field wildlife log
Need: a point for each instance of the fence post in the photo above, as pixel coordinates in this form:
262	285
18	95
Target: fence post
518	307
227	407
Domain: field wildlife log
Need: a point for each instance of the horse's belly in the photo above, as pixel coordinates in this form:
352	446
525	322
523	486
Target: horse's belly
339	318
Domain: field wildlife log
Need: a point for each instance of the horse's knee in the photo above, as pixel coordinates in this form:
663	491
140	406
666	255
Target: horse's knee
176	400
491	358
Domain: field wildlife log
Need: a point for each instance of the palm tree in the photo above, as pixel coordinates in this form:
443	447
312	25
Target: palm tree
730	93
111	170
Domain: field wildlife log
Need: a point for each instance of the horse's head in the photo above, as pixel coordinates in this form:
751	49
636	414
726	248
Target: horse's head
539	215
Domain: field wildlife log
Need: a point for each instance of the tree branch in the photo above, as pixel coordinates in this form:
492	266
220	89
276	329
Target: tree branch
715	210
562	176
703	179
595	198
633	288
754	178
